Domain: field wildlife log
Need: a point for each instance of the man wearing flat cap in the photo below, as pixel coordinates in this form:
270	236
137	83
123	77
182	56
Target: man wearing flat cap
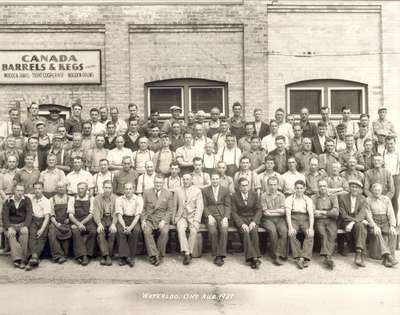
382	123
353	219
175	116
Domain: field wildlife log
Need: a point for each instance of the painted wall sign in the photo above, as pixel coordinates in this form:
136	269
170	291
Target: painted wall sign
50	66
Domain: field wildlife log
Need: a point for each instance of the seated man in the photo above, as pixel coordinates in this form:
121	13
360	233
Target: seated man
158	206
17	217
38	230
353	219
59	230
217	211
128	209
325	213
80	211
300	219
246	213
274	221
106	220
188	216
381	218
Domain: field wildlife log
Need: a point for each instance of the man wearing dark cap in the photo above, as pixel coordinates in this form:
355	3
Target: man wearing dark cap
353	219
175	116
54	122
74	124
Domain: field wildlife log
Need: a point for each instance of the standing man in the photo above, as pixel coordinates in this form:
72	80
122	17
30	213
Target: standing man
353	219
381	218
326	212
214	123
80	211
29	125
351	126
17	217
292	176
128	208
246	172
74	124
146	180
382	123
391	160
236	122
246	213
300	219
28	175
379	174
120	125
164	157
158	206
331	130
79	175
185	154
244	143
231	155
274	220
309	128
304	156
39	228
6	127
329	157
217	211
261	128
95	155
188	216
51	176
219	138
106	220
98	128
284	128
126	175
318	141
175	117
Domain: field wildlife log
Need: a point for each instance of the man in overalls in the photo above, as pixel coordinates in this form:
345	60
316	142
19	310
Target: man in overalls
106	219
80	211
59	231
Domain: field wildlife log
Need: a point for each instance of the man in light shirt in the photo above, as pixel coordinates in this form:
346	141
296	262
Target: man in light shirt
120	125
269	141
291	177
391	160
98	128
231	155
96	155
300	219
381	218
128	208
382	123
250	175
146	180
220	137
164	157
284	128
379	174
185	154
39	228
188	216
100	177
80	212
6	127
51	176
199	177
115	155
199	139
142	155
77	176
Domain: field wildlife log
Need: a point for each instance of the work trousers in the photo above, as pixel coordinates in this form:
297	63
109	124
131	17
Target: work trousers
106	239
153	248
218	236
395	199
84	243
384	241
58	248
187	244
301	224
327	231
18	243
277	231
127	243
36	244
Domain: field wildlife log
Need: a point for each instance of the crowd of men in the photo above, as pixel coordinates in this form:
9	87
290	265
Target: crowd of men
107	181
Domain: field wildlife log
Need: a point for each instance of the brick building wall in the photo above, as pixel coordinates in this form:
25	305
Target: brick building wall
223	40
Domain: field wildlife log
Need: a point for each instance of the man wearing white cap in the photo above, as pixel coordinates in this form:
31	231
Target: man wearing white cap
175	116
382	123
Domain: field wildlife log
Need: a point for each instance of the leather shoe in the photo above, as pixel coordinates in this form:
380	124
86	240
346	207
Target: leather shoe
122	262
258	262
157	261
386	262
219	261
108	261
28	267
278	261
253	264
33	262
62	260
103	261
329	263
359	259
85	261
306	263
130	262
300	262
392	260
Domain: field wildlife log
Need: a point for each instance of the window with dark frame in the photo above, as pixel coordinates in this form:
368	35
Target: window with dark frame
308	98
205	98
162	98
349	98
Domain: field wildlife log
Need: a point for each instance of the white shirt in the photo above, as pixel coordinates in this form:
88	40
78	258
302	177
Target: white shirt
5	129
268	142
294	204
145	182
40	207
257	125
245	197
352	203
322	142
121	127
288	180
98	128
99	179
230	156
286	129
129	207
74	178
140	158
215	191
115	155
199	144
392	162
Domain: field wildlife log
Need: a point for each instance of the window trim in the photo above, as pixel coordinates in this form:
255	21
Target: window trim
344	88
222	87
289	89
164	115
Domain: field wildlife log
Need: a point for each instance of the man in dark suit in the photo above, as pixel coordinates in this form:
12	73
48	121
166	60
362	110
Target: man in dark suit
158	205
318	141
217	211
246	213
353	219
261	128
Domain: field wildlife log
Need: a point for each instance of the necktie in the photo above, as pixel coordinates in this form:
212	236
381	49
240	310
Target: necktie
245	199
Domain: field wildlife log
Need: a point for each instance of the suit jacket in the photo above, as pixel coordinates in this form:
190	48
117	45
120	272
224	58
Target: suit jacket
17	215
190	207
316	146
157	209
244	214
345	215
219	208
133	145
264	130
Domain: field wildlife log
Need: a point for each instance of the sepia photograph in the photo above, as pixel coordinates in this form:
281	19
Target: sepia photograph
199	157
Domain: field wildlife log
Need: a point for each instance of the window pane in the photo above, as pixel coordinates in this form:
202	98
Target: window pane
162	99
206	98
305	98
349	98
